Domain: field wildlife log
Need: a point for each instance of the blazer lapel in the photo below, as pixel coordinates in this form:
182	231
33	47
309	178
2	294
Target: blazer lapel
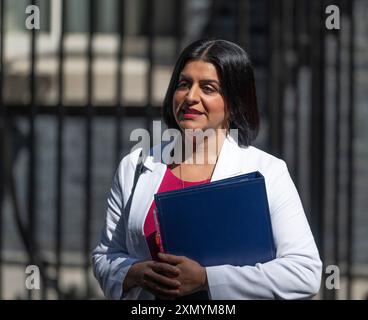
230	161
147	185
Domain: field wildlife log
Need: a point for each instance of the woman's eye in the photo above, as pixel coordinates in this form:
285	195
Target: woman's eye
208	89
182	84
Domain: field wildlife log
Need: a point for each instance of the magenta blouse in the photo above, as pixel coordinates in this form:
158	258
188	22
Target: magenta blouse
169	182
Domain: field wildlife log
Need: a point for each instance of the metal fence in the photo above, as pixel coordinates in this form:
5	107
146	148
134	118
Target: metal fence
288	42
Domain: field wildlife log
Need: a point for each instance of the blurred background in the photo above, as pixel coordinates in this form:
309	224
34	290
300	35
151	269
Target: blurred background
71	93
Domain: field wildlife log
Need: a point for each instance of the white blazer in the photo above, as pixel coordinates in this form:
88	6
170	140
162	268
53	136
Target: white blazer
294	274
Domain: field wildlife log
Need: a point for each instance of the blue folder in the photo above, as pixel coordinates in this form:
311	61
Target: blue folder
222	222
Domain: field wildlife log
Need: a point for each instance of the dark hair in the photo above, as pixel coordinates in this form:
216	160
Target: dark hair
236	80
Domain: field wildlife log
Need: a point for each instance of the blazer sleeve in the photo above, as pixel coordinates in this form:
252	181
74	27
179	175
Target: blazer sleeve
110	259
296	271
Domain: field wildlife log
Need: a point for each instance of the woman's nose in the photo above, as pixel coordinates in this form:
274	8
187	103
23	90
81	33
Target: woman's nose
192	96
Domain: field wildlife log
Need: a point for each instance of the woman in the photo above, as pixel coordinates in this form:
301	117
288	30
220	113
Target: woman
212	88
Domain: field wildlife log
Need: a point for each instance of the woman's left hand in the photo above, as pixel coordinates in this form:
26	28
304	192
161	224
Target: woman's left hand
192	276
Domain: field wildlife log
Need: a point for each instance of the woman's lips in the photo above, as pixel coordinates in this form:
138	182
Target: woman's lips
191	113
192	110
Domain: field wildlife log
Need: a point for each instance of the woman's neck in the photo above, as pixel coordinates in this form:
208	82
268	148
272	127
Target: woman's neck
202	149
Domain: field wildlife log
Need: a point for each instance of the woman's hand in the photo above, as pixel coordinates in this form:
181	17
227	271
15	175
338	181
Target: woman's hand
155	277
192	276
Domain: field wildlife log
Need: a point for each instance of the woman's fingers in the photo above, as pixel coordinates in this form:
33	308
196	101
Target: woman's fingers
152	275
170	258
160	291
165	269
160	279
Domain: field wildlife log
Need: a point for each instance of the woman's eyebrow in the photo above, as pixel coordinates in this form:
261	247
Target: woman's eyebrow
210	80
185	77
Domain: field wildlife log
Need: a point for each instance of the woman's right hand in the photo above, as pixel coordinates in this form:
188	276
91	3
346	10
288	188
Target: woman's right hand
155	277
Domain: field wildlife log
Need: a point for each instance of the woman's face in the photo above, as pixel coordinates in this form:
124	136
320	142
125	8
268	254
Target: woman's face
197	102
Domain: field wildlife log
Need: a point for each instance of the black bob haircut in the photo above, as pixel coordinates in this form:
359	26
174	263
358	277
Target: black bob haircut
236	80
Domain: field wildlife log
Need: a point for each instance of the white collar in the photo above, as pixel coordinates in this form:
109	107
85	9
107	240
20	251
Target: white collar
228	163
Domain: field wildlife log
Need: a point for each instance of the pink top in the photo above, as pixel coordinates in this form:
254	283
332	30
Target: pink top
169	182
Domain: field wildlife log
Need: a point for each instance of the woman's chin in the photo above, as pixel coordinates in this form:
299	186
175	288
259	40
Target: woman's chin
190	124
